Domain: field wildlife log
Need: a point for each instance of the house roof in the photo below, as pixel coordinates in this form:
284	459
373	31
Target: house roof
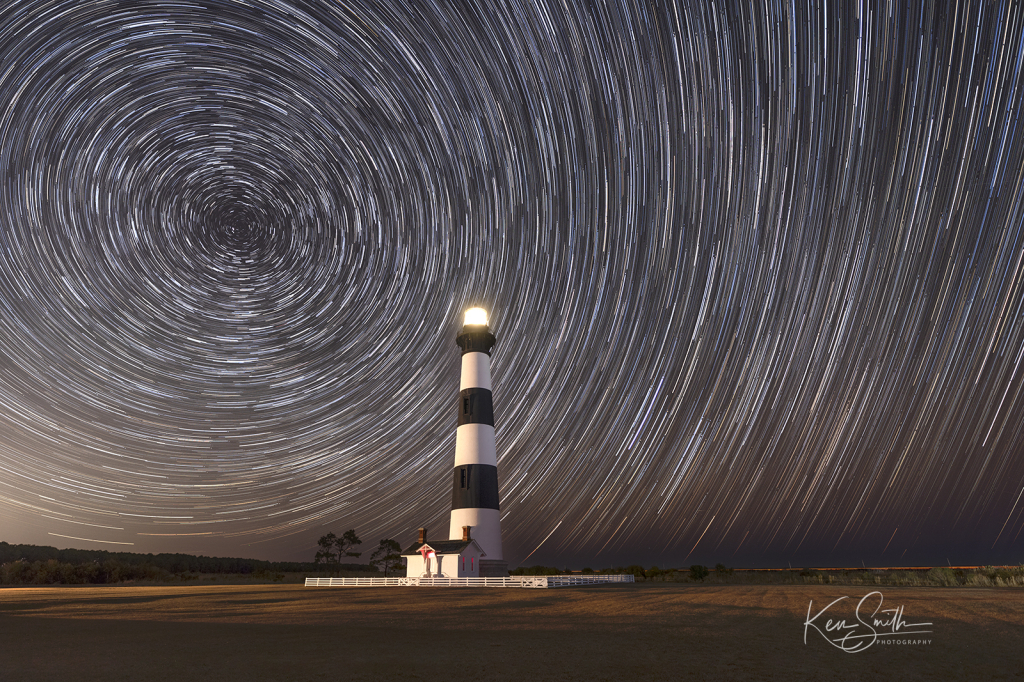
442	546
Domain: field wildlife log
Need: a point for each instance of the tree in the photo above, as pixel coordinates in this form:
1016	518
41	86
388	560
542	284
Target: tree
334	549
345	543
387	557
698	572
325	555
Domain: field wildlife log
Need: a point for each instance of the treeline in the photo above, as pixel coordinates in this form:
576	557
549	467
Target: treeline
635	570
53	572
982	576
551	570
41	565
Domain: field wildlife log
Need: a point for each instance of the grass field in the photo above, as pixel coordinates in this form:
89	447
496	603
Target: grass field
648	631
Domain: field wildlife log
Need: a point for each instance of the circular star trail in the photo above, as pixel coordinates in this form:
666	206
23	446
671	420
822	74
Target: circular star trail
755	272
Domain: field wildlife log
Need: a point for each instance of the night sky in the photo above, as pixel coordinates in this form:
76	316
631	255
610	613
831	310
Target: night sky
755	272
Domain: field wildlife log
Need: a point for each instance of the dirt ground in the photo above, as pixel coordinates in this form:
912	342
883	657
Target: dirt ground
621	632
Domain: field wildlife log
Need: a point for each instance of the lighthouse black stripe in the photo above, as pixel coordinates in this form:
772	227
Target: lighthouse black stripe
475	487
475	407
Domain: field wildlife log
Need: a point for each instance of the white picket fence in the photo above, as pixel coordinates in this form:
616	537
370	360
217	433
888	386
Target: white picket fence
598	579
528	581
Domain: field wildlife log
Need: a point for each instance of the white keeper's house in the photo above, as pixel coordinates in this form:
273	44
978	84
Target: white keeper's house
443	558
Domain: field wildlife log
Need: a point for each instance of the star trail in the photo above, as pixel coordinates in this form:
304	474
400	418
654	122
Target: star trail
755	271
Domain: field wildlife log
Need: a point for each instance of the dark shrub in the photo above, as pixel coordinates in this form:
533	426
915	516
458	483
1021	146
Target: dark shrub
636	571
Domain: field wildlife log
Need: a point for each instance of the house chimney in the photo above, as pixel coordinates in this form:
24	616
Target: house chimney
465	533
423	535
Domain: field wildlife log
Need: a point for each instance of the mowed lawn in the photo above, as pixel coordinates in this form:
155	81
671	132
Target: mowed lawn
621	632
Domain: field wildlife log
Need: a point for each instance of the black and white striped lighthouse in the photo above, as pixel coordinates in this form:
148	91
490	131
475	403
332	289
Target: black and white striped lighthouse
475	485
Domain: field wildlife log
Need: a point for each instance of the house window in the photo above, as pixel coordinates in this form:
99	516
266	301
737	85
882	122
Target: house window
471	559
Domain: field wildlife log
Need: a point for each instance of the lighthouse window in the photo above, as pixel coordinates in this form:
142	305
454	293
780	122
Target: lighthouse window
467	405
462	478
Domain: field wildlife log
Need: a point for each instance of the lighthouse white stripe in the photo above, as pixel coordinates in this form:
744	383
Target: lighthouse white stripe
474	444
476	371
486	529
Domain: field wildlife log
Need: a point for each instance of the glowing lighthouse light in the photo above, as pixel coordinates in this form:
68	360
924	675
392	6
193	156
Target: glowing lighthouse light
476	316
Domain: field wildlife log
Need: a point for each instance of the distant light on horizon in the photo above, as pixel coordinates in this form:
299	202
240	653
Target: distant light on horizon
476	316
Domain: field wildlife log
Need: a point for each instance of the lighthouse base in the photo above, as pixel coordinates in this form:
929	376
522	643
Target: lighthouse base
493	569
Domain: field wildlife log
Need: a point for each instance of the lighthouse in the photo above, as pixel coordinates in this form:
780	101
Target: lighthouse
475	481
